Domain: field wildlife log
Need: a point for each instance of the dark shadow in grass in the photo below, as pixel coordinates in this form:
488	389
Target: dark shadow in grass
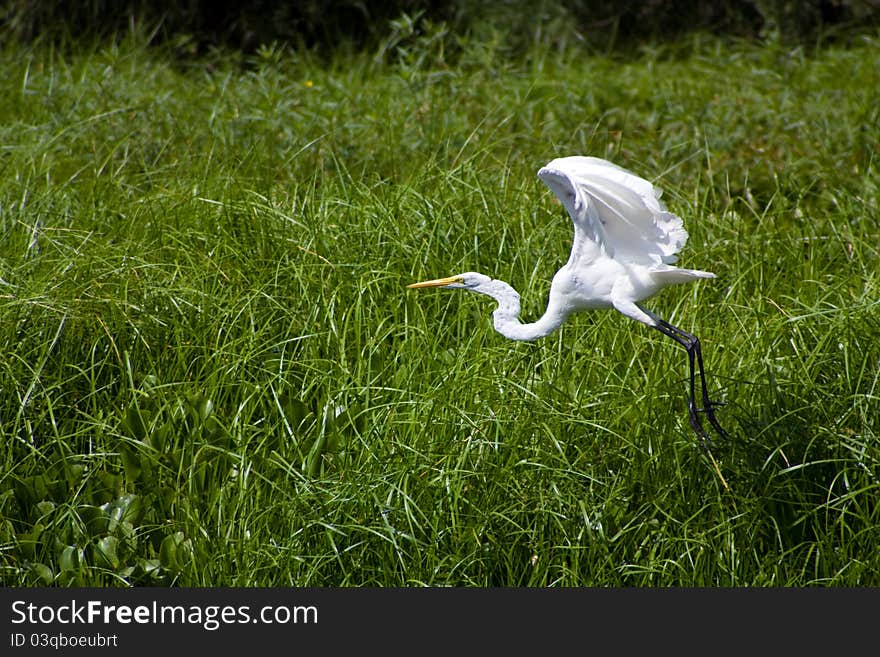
786	476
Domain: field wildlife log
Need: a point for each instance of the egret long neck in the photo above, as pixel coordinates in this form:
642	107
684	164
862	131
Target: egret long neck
506	315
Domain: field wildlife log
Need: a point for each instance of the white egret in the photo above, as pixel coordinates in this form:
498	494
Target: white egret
624	245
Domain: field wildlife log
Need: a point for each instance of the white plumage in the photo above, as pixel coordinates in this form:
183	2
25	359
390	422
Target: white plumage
617	210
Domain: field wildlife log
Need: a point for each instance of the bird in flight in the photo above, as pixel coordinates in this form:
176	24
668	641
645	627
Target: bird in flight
625	243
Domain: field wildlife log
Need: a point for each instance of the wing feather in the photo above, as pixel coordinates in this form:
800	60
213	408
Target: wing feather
617	210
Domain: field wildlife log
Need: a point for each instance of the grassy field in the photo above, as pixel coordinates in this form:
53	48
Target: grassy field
212	373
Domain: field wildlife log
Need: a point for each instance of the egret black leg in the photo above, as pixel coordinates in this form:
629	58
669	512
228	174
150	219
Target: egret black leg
695	361
692	344
692	404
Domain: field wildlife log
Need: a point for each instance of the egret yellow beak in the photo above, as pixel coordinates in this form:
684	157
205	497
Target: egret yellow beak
438	282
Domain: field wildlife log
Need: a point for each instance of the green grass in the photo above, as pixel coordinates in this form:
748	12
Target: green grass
212	372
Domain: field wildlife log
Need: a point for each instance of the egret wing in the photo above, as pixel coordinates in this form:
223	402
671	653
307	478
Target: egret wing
615	209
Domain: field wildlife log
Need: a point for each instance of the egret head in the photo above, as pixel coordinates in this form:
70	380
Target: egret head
505	315
470	280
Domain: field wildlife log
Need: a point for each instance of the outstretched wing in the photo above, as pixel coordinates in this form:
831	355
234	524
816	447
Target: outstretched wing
615	209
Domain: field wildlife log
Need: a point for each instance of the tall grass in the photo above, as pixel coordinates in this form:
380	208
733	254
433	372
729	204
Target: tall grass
212	373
